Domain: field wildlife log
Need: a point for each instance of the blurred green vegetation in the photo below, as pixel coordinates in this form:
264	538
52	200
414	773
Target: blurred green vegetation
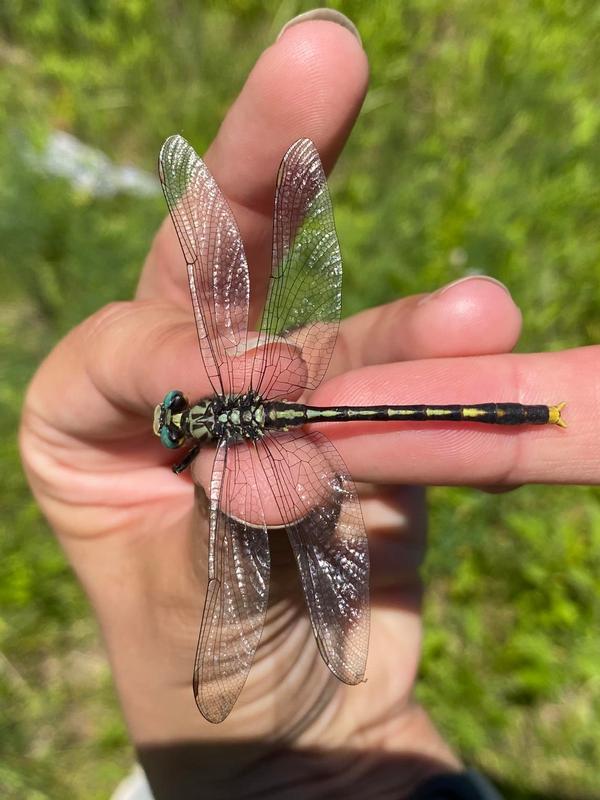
476	151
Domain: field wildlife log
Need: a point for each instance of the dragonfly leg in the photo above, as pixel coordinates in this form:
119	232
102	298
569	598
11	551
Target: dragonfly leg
186	460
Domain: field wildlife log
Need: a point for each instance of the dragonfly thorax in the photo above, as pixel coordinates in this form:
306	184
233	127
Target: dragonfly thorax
233	417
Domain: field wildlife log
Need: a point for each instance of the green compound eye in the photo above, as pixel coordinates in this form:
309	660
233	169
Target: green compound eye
175	401
167	419
169	438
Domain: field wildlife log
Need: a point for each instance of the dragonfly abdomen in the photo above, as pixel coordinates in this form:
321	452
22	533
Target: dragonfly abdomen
283	415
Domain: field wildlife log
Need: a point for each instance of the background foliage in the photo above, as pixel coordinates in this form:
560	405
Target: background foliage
476	151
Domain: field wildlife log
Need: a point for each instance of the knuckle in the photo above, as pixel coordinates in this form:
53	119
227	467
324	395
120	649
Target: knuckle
108	316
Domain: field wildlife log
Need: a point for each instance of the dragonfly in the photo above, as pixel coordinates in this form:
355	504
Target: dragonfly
270	471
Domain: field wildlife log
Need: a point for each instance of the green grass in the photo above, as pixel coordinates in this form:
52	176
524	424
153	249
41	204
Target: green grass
476	151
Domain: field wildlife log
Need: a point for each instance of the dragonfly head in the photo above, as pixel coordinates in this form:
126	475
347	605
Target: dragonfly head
168	419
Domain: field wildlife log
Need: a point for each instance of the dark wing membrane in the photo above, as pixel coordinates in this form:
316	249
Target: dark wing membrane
217	267
238	589
301	316
318	502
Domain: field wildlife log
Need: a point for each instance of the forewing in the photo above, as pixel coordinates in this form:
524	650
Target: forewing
238	588
318	503
301	316
216	262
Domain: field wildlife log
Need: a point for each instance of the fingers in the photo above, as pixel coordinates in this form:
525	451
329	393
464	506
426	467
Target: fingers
103	379
472	316
462	453
120	362
311	82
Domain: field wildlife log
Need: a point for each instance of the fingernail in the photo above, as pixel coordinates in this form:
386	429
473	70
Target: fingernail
444	289
325	14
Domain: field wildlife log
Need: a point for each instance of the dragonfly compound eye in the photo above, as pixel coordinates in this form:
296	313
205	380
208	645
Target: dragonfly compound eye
168	419
175	402
171	437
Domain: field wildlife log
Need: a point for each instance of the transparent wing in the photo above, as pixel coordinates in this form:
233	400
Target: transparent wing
238	586
214	253
301	316
319	506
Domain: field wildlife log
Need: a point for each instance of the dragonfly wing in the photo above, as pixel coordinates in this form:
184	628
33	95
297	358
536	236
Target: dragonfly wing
301	317
214	253
319	505
238	589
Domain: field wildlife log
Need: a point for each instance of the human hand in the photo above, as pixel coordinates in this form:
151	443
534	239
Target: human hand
129	526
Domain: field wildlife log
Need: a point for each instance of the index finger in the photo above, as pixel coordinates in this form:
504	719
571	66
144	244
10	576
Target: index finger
310	83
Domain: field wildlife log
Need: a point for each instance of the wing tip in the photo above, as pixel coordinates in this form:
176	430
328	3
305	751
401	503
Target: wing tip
304	143
174	139
295	152
211	711
169	147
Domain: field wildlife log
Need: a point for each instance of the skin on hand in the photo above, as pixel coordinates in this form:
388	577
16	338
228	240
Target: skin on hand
132	530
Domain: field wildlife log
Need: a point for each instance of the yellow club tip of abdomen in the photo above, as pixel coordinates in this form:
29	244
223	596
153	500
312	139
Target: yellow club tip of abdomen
555	415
